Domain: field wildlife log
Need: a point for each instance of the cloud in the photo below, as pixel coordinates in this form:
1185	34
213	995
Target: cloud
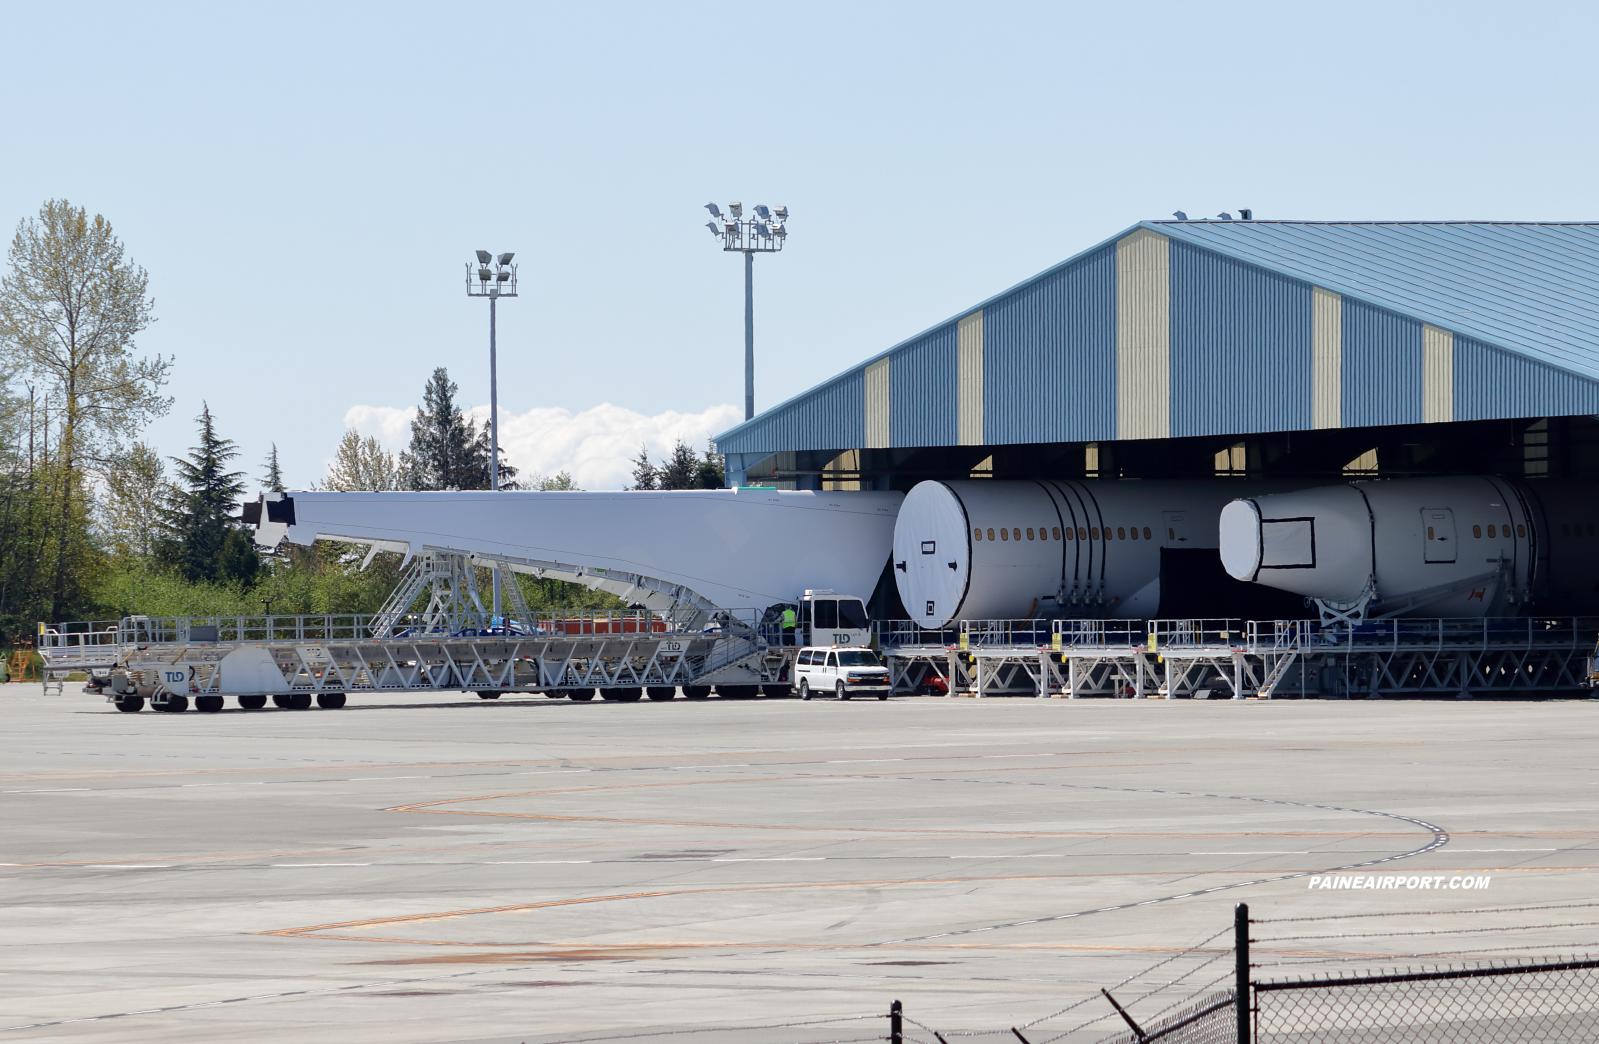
390	424
595	445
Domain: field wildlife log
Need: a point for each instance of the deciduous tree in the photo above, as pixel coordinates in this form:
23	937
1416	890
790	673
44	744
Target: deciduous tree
362	464
70	308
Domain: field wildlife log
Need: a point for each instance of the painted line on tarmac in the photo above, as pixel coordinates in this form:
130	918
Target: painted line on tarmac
1440	837
231	1000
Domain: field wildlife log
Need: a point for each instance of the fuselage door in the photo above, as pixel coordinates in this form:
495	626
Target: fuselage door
1438	527
1175	524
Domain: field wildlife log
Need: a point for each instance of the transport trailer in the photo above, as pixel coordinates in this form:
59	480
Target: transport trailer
171	663
295	661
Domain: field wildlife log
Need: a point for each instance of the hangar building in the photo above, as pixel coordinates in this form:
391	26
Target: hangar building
1266	349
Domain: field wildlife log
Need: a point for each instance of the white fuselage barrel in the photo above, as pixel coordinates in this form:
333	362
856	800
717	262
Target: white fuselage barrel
725	548
982	549
1462	546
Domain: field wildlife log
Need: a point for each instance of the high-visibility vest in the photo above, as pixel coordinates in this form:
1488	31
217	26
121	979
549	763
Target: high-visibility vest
788	618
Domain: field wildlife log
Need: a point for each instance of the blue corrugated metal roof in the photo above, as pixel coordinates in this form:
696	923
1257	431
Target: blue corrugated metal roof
1522	300
1529	287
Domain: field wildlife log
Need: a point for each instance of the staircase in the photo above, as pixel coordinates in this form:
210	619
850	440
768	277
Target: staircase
1278	669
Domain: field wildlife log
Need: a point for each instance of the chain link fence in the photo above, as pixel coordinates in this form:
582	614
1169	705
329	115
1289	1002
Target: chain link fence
1503	1002
1212	993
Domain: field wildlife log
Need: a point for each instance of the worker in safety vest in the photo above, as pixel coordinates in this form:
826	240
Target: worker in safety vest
788	625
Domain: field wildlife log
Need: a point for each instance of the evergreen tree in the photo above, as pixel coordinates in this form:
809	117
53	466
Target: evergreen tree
273	479
712	472
681	470
447	450
203	541
644	473
441	442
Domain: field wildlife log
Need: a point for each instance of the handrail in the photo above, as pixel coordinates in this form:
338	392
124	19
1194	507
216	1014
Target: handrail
82	638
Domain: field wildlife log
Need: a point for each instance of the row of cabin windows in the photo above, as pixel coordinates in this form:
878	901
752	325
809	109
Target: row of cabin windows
1476	531
1082	533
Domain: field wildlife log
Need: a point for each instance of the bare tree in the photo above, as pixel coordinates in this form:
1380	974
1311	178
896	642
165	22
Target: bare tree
70	309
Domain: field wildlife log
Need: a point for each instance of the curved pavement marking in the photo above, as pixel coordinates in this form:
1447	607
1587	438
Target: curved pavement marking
1440	837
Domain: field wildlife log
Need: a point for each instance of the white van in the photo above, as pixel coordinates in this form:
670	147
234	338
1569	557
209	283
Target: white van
843	672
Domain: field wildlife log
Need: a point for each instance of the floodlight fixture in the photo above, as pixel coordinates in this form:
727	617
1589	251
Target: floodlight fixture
781	212
505	258
483	257
712	226
736	209
484	274
762	211
715	210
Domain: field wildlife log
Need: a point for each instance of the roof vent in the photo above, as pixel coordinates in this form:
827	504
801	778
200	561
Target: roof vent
1225	216
1179	215
1245	214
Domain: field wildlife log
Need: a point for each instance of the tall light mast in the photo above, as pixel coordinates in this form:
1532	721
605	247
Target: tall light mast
762	233
493	283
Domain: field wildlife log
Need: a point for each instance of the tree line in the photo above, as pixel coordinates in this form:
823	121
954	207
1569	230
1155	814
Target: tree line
95	523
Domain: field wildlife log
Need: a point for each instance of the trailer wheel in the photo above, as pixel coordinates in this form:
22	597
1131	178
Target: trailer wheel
130	704
283	701
661	692
805	689
208	704
737	692
299	701
696	692
488	695
251	702
581	695
627	695
330	700
176	704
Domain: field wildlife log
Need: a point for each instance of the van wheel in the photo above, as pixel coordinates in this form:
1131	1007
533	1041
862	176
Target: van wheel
805	689
884	696
842	692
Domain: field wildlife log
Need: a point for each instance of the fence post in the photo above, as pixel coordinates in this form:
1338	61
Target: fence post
1241	954
896	1033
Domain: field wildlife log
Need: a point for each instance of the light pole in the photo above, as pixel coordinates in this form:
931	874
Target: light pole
495	283
762	233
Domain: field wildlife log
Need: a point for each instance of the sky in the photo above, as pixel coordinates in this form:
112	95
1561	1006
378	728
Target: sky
305	182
